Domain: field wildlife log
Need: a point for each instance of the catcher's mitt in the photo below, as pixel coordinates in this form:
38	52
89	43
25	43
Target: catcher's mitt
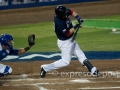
31	39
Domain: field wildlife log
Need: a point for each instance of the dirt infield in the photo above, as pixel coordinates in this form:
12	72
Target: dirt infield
25	75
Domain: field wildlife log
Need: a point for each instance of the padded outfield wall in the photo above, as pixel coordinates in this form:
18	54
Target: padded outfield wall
12	4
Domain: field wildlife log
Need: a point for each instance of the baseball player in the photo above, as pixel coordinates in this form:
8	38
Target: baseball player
64	31
6	48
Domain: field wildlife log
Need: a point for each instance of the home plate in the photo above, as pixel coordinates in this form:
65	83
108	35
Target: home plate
24	75
80	80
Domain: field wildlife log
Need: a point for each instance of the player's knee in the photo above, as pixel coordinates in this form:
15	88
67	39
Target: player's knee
7	70
10	70
66	63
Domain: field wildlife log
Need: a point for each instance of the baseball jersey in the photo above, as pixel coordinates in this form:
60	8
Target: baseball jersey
62	26
4	53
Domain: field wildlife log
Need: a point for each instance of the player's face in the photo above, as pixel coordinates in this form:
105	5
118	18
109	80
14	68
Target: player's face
11	43
65	15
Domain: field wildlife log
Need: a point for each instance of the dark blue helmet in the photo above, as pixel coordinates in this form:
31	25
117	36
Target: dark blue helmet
4	40
60	11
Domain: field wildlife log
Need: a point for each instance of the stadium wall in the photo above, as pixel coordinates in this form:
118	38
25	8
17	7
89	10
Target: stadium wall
38	56
13	4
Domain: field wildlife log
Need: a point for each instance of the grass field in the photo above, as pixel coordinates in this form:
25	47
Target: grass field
95	35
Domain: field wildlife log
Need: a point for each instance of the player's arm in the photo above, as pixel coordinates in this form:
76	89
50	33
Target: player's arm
31	42
67	31
19	51
23	50
71	31
80	21
74	14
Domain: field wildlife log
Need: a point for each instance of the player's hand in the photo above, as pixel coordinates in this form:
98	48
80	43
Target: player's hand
31	39
76	26
80	21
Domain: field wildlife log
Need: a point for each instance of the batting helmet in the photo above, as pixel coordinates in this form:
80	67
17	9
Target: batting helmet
4	40
60	11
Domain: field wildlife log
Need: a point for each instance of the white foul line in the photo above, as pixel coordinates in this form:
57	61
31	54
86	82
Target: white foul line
80	81
99	88
98	20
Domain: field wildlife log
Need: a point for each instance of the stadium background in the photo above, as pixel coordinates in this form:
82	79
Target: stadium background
36	14
18	80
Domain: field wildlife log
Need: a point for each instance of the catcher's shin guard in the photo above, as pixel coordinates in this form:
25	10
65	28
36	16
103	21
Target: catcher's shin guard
7	71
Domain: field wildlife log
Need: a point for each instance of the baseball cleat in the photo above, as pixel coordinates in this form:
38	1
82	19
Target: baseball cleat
95	72
42	73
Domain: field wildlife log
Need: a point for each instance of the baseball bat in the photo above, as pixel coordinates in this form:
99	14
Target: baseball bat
75	34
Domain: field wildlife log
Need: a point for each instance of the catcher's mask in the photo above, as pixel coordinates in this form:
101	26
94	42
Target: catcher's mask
60	11
7	40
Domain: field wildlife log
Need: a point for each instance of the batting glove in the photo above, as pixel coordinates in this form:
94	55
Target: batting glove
79	19
76	26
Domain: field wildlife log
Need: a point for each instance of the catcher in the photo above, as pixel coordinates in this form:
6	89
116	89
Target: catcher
6	48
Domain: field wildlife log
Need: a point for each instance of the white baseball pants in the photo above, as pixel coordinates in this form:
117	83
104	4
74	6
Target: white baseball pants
67	48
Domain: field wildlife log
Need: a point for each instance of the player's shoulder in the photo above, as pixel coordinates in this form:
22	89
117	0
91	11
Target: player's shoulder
57	20
68	11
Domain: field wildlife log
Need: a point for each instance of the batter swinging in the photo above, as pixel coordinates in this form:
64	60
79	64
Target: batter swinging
64	31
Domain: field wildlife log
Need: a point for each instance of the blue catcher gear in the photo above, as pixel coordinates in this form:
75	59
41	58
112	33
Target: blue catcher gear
4	40
5	70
